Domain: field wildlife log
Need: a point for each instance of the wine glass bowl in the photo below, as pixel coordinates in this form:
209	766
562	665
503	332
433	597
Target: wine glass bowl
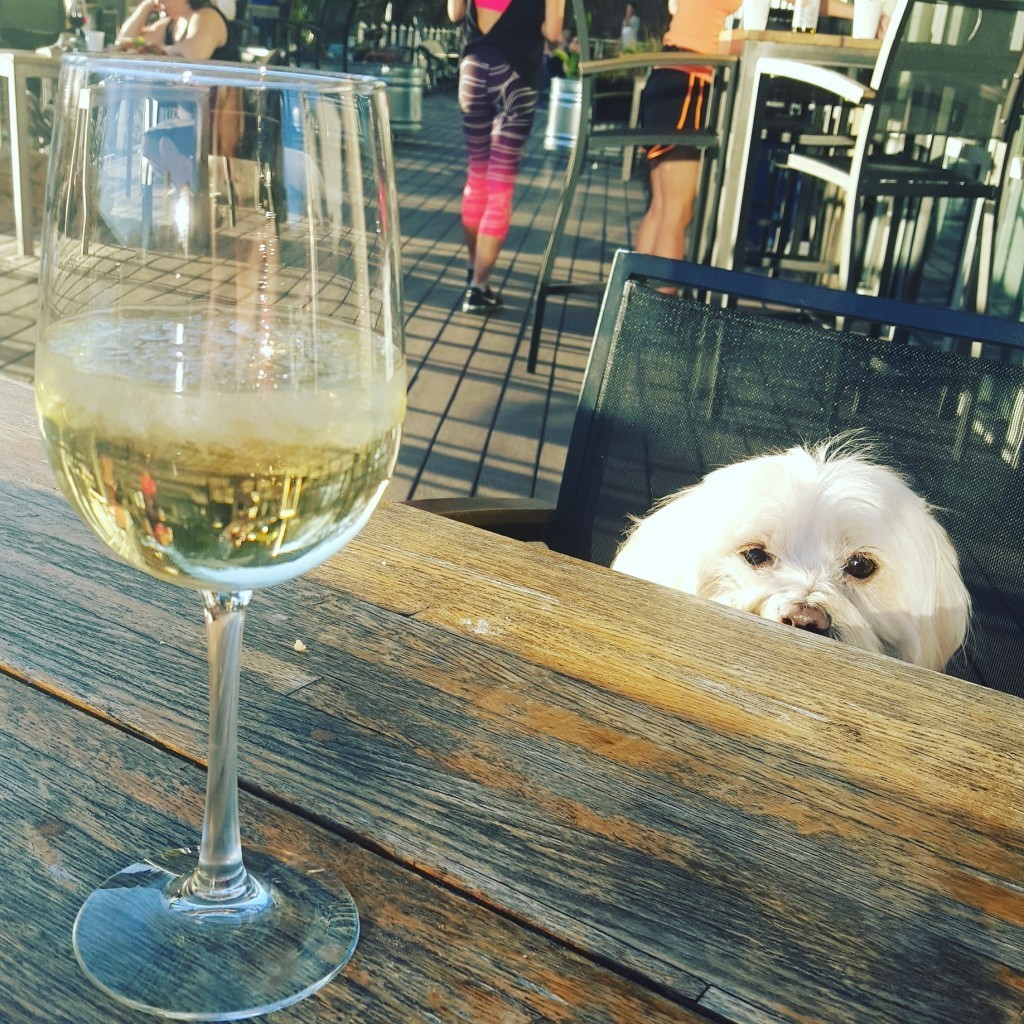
232	489
220	384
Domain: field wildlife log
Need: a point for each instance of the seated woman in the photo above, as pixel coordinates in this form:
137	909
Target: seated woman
192	29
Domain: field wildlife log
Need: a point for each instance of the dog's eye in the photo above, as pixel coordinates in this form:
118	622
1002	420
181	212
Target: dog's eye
860	567
756	556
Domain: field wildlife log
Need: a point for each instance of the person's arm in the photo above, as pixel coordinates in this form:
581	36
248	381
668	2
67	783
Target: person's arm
456	9
554	16
837	9
136	26
206	31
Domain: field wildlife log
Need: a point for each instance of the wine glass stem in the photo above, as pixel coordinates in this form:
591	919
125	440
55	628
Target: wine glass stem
220	875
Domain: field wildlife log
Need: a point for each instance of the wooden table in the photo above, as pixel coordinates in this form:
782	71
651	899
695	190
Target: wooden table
17	69
557	794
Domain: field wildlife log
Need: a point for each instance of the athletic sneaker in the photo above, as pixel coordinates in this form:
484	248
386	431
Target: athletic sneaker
480	300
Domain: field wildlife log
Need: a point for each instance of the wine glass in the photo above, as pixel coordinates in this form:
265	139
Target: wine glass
220	382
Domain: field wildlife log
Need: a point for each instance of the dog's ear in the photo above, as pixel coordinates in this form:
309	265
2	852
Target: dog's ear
668	545
944	629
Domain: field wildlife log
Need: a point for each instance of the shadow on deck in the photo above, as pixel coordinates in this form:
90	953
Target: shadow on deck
478	423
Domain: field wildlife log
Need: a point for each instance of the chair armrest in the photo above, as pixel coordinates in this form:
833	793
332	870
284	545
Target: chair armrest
519	518
846	88
823	170
642	61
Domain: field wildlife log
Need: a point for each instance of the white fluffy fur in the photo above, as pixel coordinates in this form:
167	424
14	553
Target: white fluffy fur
811	509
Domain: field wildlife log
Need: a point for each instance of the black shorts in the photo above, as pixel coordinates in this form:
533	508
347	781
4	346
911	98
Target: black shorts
675	99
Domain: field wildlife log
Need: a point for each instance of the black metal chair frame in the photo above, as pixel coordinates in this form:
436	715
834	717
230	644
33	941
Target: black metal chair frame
592	137
905	115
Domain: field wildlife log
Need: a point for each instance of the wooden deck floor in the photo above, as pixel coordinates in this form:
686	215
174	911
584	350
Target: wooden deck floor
478	423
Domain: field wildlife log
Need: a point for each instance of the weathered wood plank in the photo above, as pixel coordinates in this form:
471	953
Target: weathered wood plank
471	706
80	799
492	428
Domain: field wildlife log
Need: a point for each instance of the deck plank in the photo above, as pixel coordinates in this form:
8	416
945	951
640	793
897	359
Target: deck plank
403	729
478	422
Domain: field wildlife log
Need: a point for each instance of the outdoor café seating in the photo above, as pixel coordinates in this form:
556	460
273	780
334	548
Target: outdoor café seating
555	792
676	387
593	136
929	138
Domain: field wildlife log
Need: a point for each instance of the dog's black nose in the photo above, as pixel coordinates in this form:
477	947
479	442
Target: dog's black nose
805	616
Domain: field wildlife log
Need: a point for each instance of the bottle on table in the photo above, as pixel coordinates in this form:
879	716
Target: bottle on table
77	18
805	15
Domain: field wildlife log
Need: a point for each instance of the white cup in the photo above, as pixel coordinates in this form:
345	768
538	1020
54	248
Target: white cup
94	40
755	15
866	15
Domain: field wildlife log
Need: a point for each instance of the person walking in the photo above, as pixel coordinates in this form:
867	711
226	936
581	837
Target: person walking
677	98
500	61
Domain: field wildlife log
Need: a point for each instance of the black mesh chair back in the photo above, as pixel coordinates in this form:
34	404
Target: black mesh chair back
678	387
948	71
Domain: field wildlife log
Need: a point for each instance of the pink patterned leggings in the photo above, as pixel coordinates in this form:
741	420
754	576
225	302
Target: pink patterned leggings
497	113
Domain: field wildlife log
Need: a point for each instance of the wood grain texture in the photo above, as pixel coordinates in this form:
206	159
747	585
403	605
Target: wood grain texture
80	800
761	823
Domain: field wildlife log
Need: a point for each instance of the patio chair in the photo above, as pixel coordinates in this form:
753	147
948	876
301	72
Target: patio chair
1001	270
442	66
27	24
593	136
676	387
930	133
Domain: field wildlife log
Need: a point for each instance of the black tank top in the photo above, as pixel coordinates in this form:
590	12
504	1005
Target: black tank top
516	36
229	51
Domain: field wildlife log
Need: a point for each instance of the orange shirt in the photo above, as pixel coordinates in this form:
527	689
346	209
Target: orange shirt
697	23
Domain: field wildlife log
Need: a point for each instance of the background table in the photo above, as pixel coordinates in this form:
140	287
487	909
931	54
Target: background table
17	69
557	793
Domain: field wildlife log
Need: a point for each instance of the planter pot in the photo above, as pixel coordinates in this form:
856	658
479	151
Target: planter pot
405	84
564	107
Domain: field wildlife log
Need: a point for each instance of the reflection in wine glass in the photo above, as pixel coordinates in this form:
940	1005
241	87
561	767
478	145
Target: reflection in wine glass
220	382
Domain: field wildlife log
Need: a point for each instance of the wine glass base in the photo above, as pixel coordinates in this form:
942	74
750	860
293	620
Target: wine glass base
156	951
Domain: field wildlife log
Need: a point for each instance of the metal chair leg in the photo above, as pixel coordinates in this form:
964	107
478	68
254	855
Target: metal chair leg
542	286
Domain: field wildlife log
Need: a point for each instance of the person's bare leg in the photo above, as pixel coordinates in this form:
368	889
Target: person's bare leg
470	237
662	231
485	252
648	229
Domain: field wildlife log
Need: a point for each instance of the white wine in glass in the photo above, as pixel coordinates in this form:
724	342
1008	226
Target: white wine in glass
220	383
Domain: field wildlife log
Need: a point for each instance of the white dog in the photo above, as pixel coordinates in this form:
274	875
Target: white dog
819	538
